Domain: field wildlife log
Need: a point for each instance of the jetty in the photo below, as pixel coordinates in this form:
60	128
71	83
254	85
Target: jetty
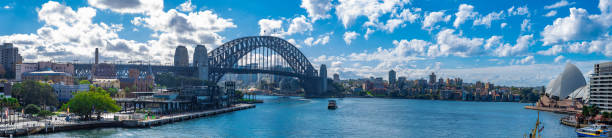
182	117
51	126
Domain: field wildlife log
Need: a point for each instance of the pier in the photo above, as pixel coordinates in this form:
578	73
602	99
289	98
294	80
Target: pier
182	117
44	127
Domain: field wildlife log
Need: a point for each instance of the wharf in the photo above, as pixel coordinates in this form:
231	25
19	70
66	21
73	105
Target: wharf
42	127
182	117
555	110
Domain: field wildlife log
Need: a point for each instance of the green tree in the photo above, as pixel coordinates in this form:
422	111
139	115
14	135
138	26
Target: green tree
31	109
34	92
96	100
112	91
9	102
84	82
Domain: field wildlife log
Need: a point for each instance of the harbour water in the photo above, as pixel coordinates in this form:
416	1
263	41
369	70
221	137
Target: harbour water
355	117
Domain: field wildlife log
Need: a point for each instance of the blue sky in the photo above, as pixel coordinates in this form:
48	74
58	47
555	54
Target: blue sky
507	42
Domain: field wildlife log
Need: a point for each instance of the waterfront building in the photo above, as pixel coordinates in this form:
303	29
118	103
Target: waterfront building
9	58
30	67
432	78
392	78
323	75
49	75
181	57
336	77
569	80
64	91
601	86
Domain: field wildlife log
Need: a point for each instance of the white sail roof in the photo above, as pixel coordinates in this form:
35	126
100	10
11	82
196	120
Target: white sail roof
569	80
581	93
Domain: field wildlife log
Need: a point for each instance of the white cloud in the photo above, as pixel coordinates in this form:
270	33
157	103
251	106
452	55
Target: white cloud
270	27
448	43
368	32
526	60
321	40
520	48
308	41
67	33
577	26
294	43
186	7
503	25
432	18
518	11
493	41
559	4
396	20
600	46
349	36
317	9
526	25
6	7
129	6
465	12
403	52
273	27
554	50
558	59
551	13
175	28
348	10
299	25
486	20
605	6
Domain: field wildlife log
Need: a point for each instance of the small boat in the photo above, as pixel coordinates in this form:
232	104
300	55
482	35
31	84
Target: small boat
595	130
332	105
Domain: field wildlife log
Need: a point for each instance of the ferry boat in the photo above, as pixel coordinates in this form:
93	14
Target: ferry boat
595	130
332	105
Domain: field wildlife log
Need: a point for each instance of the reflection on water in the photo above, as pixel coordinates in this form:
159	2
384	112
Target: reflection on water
355	117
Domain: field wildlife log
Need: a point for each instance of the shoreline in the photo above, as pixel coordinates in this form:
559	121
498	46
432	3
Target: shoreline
554	110
53	128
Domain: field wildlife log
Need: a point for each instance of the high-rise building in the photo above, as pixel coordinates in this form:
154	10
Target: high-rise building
323	75
432	78
392	78
336	77
600	83
9	57
181	57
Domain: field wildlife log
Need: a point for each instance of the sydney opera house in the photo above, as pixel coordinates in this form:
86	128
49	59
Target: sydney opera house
569	90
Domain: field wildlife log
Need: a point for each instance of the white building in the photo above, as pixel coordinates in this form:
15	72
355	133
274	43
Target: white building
64	92
569	80
601	86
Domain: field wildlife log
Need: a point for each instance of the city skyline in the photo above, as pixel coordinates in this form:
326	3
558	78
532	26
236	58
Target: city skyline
523	45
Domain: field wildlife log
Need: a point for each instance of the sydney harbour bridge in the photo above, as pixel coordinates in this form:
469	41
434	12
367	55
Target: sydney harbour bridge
234	57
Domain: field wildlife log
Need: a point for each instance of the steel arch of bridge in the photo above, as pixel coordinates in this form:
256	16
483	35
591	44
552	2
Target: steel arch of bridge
223	59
